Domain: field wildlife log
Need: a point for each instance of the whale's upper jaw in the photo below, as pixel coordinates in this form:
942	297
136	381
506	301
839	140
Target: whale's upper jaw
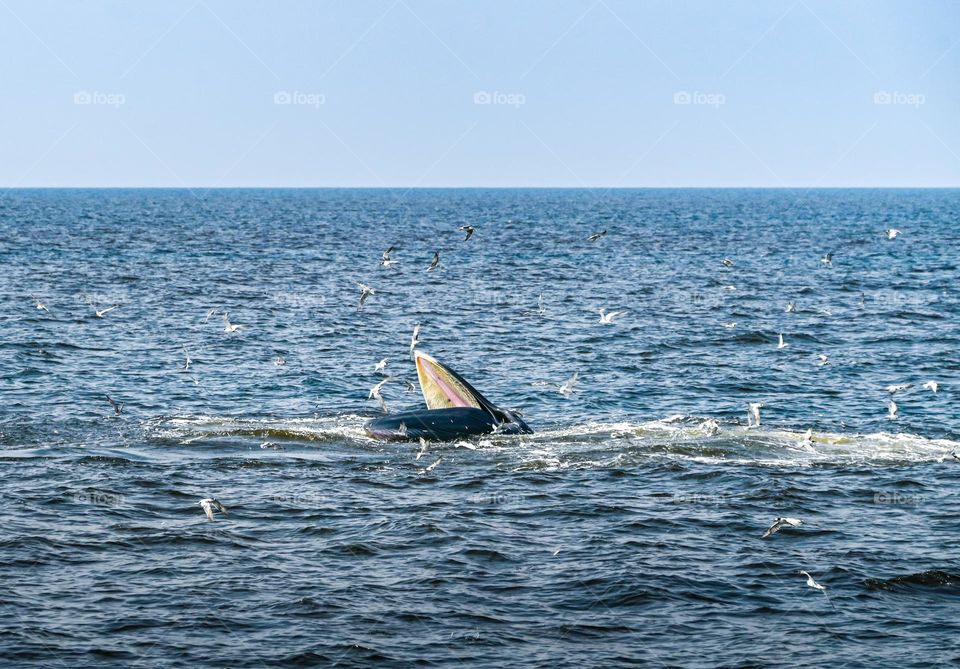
443	388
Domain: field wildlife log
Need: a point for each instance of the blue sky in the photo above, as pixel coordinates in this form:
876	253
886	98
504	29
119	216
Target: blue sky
505	93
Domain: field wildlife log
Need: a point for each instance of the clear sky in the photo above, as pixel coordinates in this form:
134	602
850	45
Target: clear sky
474	93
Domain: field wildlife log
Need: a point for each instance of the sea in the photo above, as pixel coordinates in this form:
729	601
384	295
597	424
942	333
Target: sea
625	531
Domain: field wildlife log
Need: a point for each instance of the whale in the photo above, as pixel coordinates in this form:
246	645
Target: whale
455	410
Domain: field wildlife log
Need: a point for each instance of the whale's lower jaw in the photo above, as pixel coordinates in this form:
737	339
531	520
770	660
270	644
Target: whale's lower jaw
441	425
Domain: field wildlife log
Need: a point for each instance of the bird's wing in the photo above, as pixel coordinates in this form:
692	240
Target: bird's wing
207	509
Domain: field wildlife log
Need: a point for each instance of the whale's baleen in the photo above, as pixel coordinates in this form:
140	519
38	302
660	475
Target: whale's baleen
455	410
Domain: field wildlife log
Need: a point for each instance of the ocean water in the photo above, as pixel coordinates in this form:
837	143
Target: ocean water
625	531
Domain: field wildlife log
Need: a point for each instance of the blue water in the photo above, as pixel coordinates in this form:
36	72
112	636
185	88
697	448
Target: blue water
625	531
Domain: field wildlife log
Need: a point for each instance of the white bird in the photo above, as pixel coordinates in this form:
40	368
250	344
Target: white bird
791	307
228	326
730	325
891	233
365	292
931	385
727	262
898	387
206	319
42	306
273	445
435	263
469	229
117	406
380	366
187	360
431	467
541	310
375	394
710	426
423	448
595	236
279	362
210	505
892	408
779	524
807	441
566	388
781	343
827	259
814	584
415	339
823	360
753	414
386	260
606	318
103	312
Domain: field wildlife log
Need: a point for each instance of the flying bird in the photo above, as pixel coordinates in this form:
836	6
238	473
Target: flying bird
730	325
824	360
827	259
892	408
891	233
791	307
42	306
386	260
431	467
781	343
753	414
807	441
423	448
931	385
280	361
779	524
210	506
606	318
187	360
898	387
365	292
117	408
566	388
541	309
375	394
103	312
380	366
727	262
228	326
415	339
435	263
814	584
595	236
468	229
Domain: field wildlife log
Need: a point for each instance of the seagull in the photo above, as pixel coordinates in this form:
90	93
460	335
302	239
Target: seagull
435	263
117	408
791	307
781	343
380	366
807	441
206	319
42	306
827	260
710	426
814	584
187	361
386	260
898	387
823	360
931	385
279	362
210	505
270	444
375	394
423	448
541	309
566	388
415	339
365	292
228	326
595	236
410	387
430	468
892	408
953	454
606	318
753	414
863	301
730	325
779	524
727	262
891	233
469	229
103	312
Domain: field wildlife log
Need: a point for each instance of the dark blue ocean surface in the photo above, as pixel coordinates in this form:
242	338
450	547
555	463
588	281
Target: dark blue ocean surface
626	530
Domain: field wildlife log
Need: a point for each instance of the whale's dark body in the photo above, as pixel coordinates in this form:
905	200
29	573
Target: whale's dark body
456	410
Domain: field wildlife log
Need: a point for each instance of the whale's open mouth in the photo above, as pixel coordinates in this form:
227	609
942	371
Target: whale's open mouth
443	388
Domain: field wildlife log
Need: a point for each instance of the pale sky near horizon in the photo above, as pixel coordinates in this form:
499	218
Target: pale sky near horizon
604	93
